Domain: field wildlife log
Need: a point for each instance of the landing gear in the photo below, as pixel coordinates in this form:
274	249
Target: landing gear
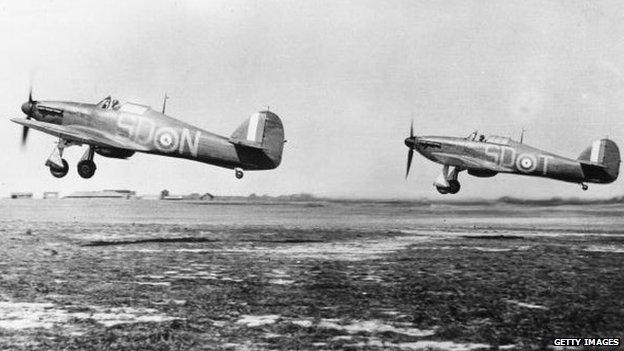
59	167
447	182
59	172
454	186
86	166
238	173
584	186
57	164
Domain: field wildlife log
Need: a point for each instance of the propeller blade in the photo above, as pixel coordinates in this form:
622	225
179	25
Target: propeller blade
410	155
24	135
27	108
412	130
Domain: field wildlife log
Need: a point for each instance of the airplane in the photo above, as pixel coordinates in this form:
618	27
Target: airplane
117	129
484	156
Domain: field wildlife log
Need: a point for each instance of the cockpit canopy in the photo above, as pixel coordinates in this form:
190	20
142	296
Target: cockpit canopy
475	136
493	139
110	103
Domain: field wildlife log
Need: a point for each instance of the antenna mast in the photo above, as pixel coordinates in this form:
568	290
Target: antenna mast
164	103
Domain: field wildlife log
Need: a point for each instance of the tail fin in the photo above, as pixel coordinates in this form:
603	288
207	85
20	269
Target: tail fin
601	161
263	132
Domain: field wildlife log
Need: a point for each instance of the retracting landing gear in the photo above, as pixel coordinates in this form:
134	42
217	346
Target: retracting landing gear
442	190
238	172
57	164
447	182
584	186
59	167
454	186
86	166
453	189
60	172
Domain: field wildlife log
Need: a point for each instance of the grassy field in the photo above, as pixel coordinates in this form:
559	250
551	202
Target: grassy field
316	276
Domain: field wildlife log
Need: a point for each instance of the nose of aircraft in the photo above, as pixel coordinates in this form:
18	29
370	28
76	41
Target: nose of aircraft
410	142
27	107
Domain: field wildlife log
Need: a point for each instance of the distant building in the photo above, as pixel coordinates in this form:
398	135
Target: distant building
192	196
207	196
51	195
149	197
172	197
21	195
102	194
129	193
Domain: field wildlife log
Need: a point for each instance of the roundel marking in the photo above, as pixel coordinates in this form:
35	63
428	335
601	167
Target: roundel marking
166	139
526	163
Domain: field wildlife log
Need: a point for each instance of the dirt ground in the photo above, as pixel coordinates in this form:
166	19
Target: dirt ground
144	276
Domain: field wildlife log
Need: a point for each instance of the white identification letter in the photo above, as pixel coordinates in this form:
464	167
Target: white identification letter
193	145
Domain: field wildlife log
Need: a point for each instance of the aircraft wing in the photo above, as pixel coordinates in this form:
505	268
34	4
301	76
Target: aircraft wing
467	162
82	134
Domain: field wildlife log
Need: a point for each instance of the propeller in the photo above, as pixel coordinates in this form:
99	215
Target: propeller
27	108
411	144
410	155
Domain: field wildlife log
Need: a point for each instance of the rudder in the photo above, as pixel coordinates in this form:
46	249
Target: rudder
262	131
605	154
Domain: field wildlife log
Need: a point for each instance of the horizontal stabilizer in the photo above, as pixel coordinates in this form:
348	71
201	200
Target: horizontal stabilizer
246	143
595	173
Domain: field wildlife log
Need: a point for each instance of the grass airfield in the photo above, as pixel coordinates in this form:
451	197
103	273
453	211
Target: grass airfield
153	275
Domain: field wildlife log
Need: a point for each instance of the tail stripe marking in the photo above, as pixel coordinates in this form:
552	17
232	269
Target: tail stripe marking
252	128
595	151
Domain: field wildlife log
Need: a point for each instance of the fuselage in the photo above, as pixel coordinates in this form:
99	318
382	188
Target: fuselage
153	132
501	155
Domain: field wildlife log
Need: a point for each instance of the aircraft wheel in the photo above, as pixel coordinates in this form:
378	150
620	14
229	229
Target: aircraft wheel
584	187
239	173
454	187
60	172
86	168
442	190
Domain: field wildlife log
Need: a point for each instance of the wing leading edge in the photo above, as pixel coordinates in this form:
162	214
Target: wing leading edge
82	135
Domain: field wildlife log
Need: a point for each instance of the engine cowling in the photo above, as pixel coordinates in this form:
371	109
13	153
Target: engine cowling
114	153
483	173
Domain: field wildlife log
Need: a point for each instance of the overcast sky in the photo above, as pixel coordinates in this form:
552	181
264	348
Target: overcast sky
346	77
